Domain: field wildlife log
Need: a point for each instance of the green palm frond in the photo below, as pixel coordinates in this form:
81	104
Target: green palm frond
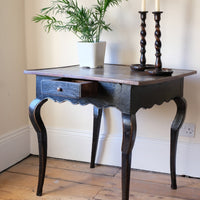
108	3
86	23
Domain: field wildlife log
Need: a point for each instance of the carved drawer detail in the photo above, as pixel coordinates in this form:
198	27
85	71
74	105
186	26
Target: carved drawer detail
69	88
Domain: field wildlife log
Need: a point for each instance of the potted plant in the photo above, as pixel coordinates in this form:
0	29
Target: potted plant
86	23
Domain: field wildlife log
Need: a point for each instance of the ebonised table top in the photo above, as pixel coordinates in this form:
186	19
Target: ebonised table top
110	73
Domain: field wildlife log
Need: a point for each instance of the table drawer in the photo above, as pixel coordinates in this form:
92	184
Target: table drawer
69	88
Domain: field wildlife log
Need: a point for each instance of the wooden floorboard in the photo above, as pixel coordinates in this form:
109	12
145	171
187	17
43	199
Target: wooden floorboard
66	180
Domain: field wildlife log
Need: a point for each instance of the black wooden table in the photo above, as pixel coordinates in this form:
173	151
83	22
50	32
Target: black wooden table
113	85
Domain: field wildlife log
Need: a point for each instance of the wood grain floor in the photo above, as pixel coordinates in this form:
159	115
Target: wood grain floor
67	180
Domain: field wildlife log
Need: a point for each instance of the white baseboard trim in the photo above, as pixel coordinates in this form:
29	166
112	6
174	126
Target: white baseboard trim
149	154
14	146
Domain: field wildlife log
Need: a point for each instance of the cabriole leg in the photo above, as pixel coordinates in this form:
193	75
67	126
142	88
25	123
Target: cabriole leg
129	135
176	125
34	114
96	128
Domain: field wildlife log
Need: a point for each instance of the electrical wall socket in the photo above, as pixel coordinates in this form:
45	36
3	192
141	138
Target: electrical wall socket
187	130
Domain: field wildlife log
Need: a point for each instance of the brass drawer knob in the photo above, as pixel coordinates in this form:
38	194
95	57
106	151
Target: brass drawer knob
59	89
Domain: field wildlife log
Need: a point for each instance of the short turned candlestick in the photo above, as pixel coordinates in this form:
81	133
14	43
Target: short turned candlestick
143	40
142	66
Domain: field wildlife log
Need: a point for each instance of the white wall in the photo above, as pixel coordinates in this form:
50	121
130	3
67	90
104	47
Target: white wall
13	86
12	80
180	37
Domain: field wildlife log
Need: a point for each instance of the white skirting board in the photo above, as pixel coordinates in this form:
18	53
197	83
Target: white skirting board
14	146
148	154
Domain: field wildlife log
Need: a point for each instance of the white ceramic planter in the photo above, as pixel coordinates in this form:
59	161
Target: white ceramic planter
91	54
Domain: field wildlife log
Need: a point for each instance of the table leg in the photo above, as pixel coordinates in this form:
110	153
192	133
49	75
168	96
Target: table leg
176	125
129	135
96	128
34	114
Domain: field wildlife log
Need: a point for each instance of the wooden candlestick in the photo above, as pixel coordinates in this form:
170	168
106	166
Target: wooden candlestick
142	66
158	44
159	71
143	40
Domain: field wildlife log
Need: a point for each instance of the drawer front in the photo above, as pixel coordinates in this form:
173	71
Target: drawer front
69	88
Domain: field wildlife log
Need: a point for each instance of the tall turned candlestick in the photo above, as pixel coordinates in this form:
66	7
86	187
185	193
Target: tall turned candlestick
158	44
158	64
142	66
